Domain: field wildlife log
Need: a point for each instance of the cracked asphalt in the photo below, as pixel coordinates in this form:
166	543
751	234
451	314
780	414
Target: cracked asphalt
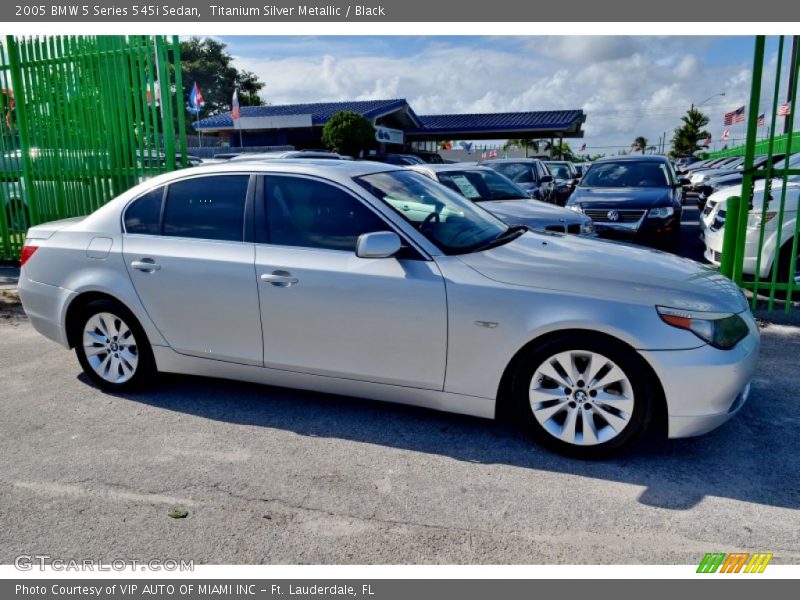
276	476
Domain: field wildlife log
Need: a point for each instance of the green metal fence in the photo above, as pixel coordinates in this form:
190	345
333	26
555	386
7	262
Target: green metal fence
83	118
760	244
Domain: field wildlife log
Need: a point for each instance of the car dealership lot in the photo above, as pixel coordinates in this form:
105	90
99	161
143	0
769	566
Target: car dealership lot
277	476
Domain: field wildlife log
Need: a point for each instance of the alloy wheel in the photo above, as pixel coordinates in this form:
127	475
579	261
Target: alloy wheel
110	347
581	397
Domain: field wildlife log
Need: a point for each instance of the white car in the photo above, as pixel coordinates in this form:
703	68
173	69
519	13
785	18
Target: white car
713	224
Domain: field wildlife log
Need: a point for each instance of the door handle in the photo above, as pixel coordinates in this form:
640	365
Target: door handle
279	278
148	265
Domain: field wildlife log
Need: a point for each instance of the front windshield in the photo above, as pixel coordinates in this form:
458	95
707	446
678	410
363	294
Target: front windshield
482	185
447	219
516	172
649	174
560	171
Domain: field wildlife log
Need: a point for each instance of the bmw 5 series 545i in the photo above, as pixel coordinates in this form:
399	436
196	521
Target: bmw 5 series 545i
311	274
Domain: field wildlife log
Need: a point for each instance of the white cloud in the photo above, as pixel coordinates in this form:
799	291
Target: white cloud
628	86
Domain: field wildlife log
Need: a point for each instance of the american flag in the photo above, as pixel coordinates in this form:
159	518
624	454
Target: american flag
735	116
762	120
493	154
725	135
785	110
582	148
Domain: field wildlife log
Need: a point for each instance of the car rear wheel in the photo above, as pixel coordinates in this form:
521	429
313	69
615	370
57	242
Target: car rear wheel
583	396
112	347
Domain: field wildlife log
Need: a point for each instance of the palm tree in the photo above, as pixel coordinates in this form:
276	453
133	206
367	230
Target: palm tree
640	143
535	145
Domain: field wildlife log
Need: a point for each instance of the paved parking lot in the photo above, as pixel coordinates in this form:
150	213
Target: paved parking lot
277	476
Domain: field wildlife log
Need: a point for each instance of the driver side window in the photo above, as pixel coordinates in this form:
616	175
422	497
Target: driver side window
312	214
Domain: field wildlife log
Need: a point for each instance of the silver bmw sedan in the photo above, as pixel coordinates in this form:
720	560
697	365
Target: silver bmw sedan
369	280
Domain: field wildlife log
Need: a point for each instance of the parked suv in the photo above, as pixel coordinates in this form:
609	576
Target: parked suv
531	174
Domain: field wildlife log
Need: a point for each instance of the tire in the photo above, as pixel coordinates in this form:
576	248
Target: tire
784	266
112	347
584	419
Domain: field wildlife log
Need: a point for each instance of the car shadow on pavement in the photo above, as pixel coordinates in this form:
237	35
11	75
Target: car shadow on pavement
752	458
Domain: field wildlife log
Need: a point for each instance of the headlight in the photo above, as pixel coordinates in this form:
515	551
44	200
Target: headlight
697	178
721	330
661	213
587	227
754	218
576	207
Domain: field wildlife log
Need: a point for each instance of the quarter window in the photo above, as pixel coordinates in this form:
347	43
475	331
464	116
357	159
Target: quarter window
210	208
144	214
307	213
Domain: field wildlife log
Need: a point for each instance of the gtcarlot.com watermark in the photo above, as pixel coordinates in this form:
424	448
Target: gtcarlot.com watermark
45	562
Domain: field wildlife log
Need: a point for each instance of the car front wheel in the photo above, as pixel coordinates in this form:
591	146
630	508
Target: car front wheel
112	347
583	396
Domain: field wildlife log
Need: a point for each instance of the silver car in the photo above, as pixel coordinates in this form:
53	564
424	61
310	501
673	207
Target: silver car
369	280
505	199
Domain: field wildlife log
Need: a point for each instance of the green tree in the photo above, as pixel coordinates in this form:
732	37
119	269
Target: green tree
206	61
686	139
349	133
641	143
534	145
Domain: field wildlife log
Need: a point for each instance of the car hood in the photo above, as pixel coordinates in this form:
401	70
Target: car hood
632	197
603	269
792	193
530	211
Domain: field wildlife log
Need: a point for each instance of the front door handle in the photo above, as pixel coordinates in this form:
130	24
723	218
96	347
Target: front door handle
279	278
148	265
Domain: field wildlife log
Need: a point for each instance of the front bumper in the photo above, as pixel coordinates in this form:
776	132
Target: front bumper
646	230
705	386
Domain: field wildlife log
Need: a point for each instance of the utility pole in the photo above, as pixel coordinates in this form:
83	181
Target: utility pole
792	72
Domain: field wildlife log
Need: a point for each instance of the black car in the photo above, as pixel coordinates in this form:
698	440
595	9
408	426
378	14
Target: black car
392	158
531	174
638	198
565	178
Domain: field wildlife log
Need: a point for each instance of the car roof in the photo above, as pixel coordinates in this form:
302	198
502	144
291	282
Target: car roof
637	158
337	170
513	160
440	168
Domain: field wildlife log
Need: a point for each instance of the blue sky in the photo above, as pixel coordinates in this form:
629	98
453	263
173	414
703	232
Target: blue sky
628	86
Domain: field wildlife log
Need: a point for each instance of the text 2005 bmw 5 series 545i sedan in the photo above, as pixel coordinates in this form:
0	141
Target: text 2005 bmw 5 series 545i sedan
363	279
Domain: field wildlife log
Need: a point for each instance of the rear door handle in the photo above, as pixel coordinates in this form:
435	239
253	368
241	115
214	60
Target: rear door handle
279	278
148	265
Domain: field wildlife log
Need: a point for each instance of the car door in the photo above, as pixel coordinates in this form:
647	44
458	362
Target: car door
326	311
192	266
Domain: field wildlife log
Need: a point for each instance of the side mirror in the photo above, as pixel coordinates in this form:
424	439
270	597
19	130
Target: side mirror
546	179
381	244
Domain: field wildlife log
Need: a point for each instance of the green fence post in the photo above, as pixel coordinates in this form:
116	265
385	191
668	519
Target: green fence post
749	153
166	104
22	127
730	239
176	61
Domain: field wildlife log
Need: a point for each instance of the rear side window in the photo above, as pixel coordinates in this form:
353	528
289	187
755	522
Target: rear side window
312	214
144	214
210	208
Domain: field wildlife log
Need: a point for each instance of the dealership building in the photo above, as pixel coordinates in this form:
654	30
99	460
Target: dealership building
397	126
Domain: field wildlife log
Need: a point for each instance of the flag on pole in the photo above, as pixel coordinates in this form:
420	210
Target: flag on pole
235	114
582	148
149	92
483	155
196	102
762	120
493	154
725	135
785	110
467	146
707	143
734	116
